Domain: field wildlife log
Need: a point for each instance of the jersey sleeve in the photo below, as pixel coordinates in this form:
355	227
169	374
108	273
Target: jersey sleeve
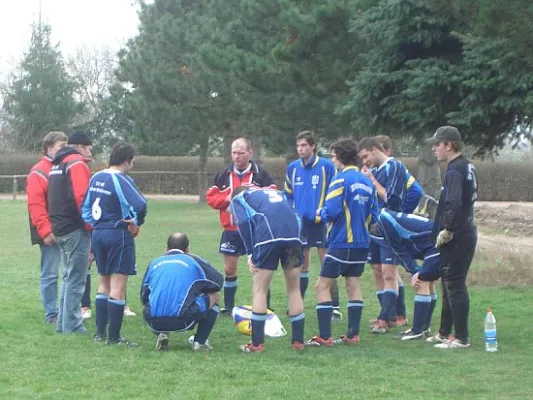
36	189
334	199
288	188
453	203
395	185
244	222
136	202
145	287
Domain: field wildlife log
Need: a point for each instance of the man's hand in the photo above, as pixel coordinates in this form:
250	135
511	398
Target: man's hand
415	282
133	228
367	172
49	240
253	269
373	229
444	237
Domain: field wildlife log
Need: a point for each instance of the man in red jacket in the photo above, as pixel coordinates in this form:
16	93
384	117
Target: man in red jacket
243	171
68	183
40	228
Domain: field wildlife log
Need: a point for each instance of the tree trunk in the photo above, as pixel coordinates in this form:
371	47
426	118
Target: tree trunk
202	170
429	175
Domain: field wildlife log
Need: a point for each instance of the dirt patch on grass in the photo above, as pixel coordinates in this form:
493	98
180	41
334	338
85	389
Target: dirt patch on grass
505	246
514	218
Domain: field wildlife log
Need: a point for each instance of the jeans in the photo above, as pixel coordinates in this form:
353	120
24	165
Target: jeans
456	257
50	260
75	247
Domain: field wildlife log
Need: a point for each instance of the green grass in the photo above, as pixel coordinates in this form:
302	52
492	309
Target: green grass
36	362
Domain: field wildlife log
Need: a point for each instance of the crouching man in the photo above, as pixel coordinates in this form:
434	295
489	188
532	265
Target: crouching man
180	291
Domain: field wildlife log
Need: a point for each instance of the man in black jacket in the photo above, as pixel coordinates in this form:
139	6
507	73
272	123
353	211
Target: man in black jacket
455	235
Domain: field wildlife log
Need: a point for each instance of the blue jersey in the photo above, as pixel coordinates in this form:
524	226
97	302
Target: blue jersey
264	216
392	176
408	235
306	186
351	204
414	193
113	197
175	281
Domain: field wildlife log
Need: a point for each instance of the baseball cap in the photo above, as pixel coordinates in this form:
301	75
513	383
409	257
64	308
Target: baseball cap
445	133
79	137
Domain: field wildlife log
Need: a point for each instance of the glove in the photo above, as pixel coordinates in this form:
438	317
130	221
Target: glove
444	237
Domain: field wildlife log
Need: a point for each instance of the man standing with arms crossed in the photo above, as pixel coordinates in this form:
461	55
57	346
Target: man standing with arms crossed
40	227
243	171
306	184
456	236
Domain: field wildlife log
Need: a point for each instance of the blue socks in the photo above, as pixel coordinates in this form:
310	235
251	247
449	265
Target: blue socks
388	306
422	307
431	309
230	288
205	326
258	328
297	324
324	311
304	282
115	310
102	318
400	302
355	311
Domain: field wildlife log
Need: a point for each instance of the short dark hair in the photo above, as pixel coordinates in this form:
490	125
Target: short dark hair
346	151
178	241
309	137
457	146
368	143
385	141
120	153
52	138
239	190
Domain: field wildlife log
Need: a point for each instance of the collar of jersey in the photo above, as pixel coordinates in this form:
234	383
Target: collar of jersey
350	167
175	251
385	163
312	163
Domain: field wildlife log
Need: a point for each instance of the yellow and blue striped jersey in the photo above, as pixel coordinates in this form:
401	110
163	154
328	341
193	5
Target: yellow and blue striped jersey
351	205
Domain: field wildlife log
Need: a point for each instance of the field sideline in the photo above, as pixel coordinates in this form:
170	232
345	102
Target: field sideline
37	363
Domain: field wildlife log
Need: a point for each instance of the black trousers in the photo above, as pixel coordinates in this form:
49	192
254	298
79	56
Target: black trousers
456	257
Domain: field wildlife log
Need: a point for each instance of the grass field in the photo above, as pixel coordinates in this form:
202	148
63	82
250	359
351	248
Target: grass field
37	363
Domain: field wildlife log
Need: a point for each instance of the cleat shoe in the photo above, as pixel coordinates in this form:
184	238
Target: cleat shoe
298	346
380	327
122	342
250	348
399	322
453	344
372	322
86	313
317	341
201	347
336	315
410	335
128	312
437	338
224	312
191	340
427	332
100	339
163	341
346	340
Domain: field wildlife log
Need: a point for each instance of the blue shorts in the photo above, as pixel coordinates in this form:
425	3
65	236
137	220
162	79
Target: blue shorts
186	321
430	270
313	235
381	253
345	262
114	251
231	244
268	256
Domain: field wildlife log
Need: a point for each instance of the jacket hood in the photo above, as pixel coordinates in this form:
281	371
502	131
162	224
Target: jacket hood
63	153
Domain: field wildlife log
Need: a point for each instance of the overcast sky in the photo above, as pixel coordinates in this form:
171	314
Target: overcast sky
75	23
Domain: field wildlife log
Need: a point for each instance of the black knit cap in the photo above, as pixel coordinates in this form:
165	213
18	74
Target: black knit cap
79	137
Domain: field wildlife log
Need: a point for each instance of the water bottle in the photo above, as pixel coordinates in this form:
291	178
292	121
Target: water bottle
491	345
